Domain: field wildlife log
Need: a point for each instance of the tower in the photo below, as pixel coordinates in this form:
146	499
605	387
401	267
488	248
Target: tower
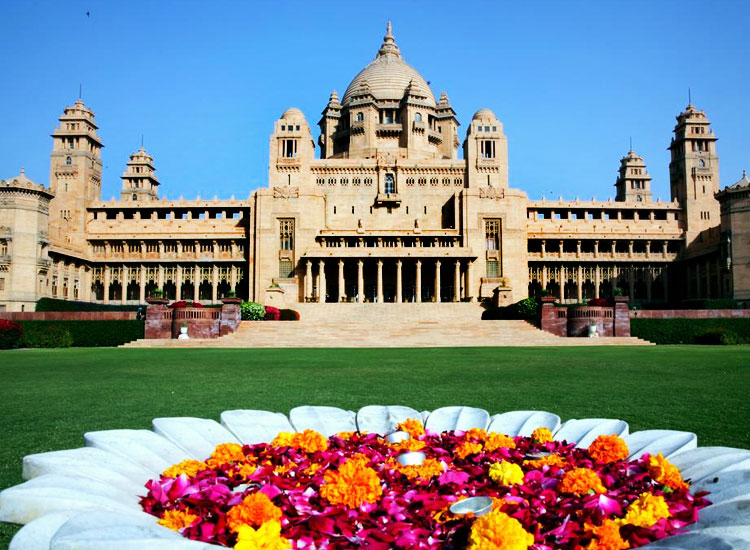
694	172
633	181
486	151
75	172
292	148
139	182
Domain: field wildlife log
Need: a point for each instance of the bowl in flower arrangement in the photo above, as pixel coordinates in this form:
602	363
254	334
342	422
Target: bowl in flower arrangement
94	497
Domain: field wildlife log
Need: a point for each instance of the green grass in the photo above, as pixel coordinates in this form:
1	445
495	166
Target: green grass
51	397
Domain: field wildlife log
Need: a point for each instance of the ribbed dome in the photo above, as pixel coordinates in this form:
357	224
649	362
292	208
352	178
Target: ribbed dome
483	114
292	113
388	76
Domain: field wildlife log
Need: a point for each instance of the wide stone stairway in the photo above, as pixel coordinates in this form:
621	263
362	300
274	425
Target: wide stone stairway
343	325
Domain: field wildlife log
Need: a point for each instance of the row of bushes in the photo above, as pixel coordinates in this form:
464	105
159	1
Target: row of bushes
526	309
66	334
52	304
729	331
253	311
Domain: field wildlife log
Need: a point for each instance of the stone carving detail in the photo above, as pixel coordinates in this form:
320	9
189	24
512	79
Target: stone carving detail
491	193
286	192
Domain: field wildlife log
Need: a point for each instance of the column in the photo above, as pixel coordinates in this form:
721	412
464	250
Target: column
544	277
630	250
597	281
664	249
308	280
123	284
380	282
562	280
596	249
321	281
631	282
342	286
457	282
649	280
215	284
579	284
399	282
360	281
107	282
437	280
467	284
418	281
160	276
544	245
196	279
178	283
233	277
664	283
142	287
614	248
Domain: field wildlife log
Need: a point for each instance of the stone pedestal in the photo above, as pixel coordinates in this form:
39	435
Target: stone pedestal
158	319
553	319
622	317
230	315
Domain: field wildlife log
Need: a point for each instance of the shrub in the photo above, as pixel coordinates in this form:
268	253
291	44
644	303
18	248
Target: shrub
598	302
716	303
51	335
288	315
252	311
86	333
272	314
52	304
10	334
727	331
526	309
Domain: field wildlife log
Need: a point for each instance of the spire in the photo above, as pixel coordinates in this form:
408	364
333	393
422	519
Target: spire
389	46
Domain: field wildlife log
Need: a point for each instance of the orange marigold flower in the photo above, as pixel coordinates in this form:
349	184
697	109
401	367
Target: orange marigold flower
346	436
608	448
468	448
310	441
430	468
499	531
310	470
246	469
353	484
665	472
580	481
226	453
414	427
542	435
177	519
607	536
409	445
549	460
187	467
255	510
476	434
283	439
646	510
496	441
266	537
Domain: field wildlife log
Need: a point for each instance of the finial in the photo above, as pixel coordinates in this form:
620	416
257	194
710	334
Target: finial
631	143
389	46
690	98
23	172
388	29
743	173
141	141
80	91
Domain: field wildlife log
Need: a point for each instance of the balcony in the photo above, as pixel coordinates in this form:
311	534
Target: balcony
388	199
389	128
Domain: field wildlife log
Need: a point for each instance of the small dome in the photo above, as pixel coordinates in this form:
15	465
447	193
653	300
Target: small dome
483	113
292	113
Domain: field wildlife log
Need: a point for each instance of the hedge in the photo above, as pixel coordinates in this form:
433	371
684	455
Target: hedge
80	333
724	331
526	309
51	304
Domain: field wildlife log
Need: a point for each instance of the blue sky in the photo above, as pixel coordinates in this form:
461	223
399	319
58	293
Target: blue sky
204	81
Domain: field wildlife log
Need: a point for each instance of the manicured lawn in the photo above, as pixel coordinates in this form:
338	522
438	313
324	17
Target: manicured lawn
50	398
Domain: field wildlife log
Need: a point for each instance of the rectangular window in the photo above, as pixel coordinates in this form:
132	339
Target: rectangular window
286	269
286	231
2	284
493	269
492	234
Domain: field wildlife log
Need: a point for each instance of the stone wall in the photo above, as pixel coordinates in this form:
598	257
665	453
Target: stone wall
163	322
688	313
575	321
69	315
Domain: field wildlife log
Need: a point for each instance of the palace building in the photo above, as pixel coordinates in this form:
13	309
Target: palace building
382	208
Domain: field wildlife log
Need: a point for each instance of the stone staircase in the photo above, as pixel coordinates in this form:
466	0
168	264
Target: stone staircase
386	326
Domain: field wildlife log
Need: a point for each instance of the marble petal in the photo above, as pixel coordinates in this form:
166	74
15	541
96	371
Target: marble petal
583	431
726	486
36	535
715	467
725	514
457	418
700	541
692	457
144	447
382	419
197	436
251	426
523	423
325	420
666	442
739	533
108	531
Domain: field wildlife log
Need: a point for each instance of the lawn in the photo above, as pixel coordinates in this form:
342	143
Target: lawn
50	398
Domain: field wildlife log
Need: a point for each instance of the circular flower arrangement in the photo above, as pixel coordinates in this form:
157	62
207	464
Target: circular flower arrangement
351	490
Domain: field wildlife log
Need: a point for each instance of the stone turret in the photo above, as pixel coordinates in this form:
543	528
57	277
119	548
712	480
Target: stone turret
633	181
139	182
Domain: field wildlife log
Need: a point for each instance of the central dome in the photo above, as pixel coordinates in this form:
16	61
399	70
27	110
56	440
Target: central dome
388	76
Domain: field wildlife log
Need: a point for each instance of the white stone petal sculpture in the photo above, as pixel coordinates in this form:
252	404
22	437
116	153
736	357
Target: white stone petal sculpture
197	436
457	418
523	422
582	432
325	420
253	427
666	442
383	419
87	498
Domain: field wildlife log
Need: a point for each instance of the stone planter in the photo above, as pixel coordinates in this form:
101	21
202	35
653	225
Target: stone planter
231	300
157	301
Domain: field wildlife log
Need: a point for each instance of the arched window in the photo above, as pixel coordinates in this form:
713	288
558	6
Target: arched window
701	163
135	197
68	161
418	117
360	117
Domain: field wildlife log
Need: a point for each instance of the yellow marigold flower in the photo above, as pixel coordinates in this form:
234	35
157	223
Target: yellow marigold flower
414	427
409	445
665	472
506	473
430	468
255	509
646	510
499	531
310	470
353	484
266	537
468	448
607	536
476	434
542	435
549	460
608	448
226	453
346	436
187	467
496	441
580	481
176	519
283	439
246	469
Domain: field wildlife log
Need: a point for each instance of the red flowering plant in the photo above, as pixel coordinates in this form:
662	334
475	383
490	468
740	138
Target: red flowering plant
349	491
272	314
182	303
10	334
600	302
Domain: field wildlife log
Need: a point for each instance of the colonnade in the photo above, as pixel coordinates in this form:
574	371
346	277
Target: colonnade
316	286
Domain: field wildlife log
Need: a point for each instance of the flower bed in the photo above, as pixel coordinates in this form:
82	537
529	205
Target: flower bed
351	490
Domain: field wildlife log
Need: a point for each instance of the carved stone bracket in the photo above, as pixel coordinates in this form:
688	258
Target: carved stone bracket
491	193
286	192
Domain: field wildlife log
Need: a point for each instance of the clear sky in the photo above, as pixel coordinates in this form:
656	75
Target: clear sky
205	81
